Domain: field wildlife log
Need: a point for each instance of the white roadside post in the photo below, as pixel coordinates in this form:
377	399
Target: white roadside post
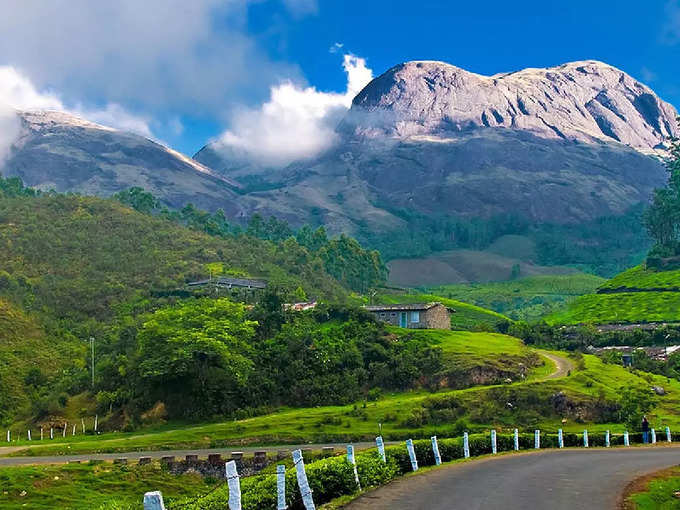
494	448
29	434
560	438
234	486
626	441
516	440
381	448
412	454
51	433
63	432
435	451
585	438
305	490
537	439
96	419
668	434
466	445
73	432
352	460
153	501
82	421
607	440
9	436
281	487
653	436
41	433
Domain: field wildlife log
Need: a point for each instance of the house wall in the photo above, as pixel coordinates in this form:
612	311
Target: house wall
437	317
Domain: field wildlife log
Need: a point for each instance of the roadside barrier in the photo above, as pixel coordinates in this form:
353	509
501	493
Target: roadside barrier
653	436
396	461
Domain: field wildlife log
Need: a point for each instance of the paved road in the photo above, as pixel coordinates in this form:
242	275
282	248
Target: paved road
551	480
179	454
562	365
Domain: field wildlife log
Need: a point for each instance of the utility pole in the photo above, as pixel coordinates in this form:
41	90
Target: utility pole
92	349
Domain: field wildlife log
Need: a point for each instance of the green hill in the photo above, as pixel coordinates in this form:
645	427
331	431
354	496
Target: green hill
466	316
526	298
637	295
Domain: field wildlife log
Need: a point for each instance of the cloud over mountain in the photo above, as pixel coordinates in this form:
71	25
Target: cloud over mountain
296	122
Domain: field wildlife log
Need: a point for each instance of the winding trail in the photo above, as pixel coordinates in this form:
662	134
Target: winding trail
577	479
562	364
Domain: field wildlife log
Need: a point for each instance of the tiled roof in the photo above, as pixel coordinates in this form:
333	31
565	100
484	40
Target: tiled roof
396	308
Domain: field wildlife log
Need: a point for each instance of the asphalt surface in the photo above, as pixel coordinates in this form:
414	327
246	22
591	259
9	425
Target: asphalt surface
551	480
562	365
178	454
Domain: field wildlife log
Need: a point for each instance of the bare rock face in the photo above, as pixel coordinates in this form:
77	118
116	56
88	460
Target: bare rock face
63	152
580	101
560	145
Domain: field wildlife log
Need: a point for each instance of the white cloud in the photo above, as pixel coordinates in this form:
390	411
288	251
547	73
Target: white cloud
17	92
296	122
336	47
163	57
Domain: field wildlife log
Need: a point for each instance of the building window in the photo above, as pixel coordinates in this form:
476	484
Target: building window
393	314
415	317
383	314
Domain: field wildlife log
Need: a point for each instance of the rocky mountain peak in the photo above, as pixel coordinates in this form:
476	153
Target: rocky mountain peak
586	101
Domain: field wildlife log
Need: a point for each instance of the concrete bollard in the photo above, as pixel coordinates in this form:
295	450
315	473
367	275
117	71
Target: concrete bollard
435	451
63	431
466	445
191	458
381	448
41	433
9	437
281	487
303	483
494	448
352	461
153	501
560	438
234	483
585	439
29	434
607	440
120	460
215	458
144	460
73	432
626	441
668	434
51	433
537	439
412	454
515	439
653	436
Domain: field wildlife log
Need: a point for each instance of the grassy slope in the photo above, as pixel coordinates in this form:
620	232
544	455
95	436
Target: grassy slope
87	486
466	316
659	492
622	302
526	298
340	423
23	346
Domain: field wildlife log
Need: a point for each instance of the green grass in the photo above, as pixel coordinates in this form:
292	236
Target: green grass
526	298
659	492
467	316
621	308
87	486
356	422
639	277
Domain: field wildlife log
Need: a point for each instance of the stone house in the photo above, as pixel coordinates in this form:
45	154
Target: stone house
414	316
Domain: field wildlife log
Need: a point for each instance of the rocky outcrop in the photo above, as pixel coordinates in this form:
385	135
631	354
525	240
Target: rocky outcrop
63	152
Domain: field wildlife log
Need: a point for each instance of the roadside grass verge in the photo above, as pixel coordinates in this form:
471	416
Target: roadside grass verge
655	491
87	486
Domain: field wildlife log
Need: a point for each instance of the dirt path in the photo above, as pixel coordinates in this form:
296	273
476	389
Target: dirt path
562	365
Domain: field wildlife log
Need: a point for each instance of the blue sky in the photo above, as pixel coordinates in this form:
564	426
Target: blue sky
186	72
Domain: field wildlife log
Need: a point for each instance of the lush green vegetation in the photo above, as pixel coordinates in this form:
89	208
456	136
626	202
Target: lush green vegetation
466	316
526	299
88	486
621	308
642	277
658	493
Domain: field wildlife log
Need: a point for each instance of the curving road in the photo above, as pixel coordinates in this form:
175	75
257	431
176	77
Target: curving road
562	365
550	480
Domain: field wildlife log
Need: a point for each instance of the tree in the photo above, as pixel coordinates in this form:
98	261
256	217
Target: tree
138	199
195	357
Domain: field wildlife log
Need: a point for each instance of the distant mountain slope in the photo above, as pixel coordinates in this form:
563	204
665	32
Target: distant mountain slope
60	151
559	145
